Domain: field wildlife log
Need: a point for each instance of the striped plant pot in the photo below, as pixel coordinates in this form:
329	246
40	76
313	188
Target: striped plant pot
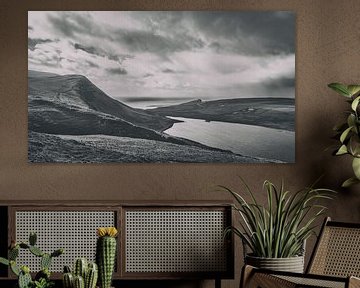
291	264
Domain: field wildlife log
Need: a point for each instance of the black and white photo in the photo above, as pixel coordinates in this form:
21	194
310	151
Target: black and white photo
161	86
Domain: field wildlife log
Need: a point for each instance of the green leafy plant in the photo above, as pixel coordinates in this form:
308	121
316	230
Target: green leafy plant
348	132
42	278
279	229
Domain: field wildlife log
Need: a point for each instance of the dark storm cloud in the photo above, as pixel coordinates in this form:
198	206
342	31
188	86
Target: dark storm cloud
251	33
74	24
92	64
247	33
99	52
69	24
117	71
32	42
167	70
147	41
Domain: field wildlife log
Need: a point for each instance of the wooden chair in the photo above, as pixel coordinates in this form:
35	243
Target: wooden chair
334	263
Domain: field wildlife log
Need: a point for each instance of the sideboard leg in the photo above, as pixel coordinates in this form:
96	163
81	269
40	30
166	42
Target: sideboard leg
217	283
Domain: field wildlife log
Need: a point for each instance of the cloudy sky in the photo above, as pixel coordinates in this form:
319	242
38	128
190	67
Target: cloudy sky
191	54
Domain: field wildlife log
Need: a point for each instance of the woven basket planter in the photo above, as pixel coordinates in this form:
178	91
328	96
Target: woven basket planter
291	264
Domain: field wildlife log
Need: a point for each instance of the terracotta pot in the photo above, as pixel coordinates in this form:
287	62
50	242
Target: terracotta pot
291	264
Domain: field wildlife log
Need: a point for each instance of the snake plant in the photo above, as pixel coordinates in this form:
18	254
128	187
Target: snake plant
279	228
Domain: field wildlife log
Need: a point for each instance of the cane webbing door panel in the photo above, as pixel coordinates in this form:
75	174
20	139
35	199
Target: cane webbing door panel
73	230
165	241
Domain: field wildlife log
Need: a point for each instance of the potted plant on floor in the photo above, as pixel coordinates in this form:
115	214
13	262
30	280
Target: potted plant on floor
349	131
276	233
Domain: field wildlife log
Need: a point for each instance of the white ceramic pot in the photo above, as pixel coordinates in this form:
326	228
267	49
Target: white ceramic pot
291	264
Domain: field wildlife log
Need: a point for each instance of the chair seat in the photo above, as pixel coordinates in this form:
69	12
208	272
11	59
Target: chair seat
268	279
315	282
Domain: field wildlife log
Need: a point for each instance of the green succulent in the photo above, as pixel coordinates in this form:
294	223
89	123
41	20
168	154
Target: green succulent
42	283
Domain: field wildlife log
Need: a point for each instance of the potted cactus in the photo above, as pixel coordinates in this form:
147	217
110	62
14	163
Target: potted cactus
106	254
84	275
42	278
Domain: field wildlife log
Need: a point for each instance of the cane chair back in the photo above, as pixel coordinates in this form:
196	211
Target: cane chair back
337	252
335	262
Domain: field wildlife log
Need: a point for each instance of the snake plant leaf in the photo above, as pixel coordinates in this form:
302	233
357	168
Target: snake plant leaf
342	150
345	134
340	88
353	89
349	182
355	103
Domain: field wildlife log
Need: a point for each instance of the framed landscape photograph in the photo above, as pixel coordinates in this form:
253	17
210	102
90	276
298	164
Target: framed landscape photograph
161	86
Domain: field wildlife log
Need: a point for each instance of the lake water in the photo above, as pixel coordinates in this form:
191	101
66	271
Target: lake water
247	140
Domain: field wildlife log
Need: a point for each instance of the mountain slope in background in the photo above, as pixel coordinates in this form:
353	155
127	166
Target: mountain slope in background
71	104
276	113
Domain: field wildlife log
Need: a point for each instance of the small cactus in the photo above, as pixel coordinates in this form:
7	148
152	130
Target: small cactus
13	253
14	268
79	282
57	252
80	267
32	238
36	251
91	276
89	272
68	280
44	273
24	278
106	254
45	261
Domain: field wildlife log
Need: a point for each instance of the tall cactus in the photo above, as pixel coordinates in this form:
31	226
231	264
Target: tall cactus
106	254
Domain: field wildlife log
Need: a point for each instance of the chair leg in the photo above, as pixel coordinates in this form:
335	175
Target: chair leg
246	274
354	282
